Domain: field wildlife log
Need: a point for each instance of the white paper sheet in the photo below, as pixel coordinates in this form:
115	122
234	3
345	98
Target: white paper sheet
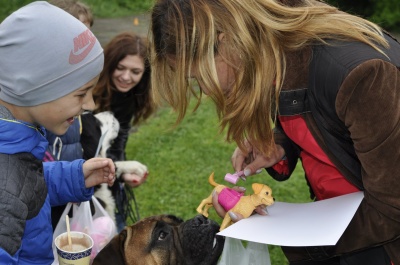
299	224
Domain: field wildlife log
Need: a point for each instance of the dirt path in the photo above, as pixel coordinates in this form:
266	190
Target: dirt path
106	28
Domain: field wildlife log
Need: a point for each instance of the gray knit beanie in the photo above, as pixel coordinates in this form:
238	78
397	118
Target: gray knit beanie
45	54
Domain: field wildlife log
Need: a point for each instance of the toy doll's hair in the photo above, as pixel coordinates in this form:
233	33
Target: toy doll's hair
122	45
261	33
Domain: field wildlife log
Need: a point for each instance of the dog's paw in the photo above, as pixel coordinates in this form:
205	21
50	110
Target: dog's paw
131	167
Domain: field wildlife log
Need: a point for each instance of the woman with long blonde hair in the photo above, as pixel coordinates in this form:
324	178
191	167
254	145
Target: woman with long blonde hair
295	79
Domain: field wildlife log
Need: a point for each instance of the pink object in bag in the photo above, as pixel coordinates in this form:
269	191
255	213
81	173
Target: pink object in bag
99	226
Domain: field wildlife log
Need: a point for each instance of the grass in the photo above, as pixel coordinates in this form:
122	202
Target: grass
181	159
118	8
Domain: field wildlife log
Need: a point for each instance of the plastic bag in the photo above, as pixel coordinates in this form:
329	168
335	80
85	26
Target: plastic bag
235	253
100	226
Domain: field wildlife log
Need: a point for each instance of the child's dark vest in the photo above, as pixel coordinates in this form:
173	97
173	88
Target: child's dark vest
329	66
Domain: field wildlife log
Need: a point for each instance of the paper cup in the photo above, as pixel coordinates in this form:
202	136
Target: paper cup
82	245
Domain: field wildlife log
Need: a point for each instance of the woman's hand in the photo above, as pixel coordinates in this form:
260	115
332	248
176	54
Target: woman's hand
98	170
251	161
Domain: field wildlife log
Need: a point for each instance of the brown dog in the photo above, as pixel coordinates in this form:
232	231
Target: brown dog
164	240
246	204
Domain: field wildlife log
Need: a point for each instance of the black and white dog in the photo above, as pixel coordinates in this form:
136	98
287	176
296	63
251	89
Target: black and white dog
109	126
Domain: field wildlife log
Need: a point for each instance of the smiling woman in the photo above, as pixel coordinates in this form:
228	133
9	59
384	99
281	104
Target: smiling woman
128	73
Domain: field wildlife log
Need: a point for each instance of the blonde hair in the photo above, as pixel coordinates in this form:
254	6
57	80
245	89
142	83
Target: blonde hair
261	33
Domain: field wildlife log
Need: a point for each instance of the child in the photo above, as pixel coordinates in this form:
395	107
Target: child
68	147
76	8
49	62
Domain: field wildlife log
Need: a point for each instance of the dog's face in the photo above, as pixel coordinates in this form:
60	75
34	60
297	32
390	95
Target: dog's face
165	239
264	192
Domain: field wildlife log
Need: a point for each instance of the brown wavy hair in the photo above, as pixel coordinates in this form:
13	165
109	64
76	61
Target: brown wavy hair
261	33
117	49
75	8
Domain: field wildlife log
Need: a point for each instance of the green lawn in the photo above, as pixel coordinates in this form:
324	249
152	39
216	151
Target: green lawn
180	160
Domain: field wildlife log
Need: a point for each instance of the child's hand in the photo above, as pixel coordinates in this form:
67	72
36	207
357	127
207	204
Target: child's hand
99	170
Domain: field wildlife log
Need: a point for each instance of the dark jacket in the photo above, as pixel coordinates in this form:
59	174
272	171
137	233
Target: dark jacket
123	107
66	147
353	112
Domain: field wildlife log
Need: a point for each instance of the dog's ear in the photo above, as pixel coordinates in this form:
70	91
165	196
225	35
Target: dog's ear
114	252
257	187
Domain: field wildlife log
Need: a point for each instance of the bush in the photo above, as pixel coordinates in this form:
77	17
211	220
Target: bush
11	5
386	13
100	8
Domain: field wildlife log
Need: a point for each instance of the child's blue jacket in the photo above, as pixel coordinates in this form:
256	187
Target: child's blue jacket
26	232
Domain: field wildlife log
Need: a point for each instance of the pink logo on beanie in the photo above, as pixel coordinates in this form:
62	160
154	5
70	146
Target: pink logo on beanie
83	44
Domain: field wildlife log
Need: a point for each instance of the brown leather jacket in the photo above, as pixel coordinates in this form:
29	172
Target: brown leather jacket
367	104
